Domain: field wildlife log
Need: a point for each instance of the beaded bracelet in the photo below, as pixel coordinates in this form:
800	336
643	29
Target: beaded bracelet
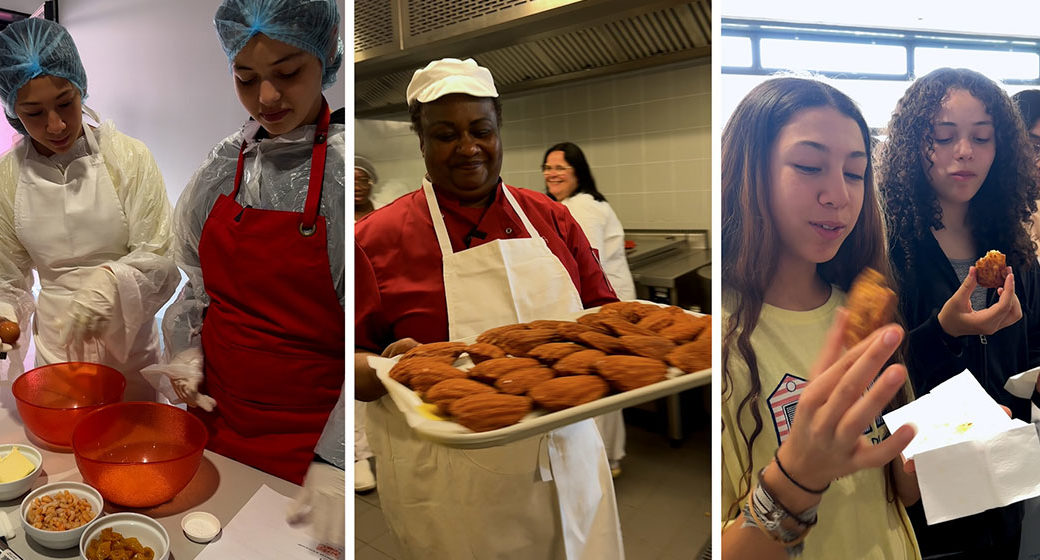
776	459
767	513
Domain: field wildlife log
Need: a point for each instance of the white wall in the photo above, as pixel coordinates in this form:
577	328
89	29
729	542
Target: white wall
156	68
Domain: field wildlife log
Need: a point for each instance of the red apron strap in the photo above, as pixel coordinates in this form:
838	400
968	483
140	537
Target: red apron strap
317	175
321	134
238	169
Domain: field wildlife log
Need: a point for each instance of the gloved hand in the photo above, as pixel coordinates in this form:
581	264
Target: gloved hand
91	307
321	503
185	374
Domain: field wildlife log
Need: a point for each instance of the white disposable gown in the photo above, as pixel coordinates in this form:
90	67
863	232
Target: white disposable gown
132	241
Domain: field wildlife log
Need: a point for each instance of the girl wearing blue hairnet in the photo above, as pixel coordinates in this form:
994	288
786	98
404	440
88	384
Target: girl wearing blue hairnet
87	208
257	335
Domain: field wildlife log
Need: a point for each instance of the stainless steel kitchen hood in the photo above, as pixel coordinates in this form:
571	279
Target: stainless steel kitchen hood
525	43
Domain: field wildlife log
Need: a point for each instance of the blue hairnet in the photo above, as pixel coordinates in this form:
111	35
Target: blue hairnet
34	47
311	25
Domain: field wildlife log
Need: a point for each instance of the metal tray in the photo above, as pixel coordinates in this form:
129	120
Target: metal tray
450	434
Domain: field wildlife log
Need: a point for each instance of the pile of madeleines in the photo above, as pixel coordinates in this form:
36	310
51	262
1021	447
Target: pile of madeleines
555	364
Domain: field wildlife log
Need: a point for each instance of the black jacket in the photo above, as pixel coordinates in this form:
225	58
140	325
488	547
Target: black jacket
934	356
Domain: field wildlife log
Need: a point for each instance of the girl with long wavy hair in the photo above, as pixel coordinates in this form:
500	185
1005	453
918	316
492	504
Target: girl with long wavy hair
957	179
800	219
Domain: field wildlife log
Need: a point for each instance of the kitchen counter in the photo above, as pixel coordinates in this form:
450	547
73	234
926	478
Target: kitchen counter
665	270
221	486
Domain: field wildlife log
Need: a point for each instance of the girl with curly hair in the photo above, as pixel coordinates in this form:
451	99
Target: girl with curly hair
800	219
957	179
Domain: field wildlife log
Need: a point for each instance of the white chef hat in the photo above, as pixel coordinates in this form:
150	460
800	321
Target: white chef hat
450	75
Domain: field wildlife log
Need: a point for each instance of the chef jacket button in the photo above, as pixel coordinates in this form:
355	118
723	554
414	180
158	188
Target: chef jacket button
509	231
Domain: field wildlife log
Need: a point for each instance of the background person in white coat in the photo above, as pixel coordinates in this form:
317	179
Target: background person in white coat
568	180
87	208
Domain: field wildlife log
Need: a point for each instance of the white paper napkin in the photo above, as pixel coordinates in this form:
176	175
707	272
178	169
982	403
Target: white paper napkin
1023	384
970	456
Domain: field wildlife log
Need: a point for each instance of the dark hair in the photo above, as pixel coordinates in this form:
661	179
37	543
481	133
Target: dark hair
415	113
573	155
1028	103
750	243
1000	211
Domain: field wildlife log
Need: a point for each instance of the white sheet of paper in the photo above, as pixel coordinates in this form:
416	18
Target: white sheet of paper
957	410
259	530
969	455
1023	384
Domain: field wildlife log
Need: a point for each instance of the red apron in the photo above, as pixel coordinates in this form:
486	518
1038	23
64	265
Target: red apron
273	334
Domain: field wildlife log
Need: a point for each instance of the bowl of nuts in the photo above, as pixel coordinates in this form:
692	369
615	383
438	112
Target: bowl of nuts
55	515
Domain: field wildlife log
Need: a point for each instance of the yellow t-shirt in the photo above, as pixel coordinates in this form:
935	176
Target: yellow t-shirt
856	520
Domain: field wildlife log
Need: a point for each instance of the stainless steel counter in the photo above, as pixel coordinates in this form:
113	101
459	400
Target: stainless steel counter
664	271
221	486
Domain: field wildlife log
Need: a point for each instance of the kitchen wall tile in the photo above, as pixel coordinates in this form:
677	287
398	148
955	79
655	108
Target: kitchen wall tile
601	95
630	179
575	98
697	79
629	119
684	114
602	123
702	109
657	116
702	141
657	177
657	147
577	127
628	89
553	103
656	86
630	149
607	180
684	171
516	108
530	131
700	179
645	133
599	153
660	208
680	144
686	205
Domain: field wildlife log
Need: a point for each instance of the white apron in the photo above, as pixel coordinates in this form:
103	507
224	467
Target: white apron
545	497
70	223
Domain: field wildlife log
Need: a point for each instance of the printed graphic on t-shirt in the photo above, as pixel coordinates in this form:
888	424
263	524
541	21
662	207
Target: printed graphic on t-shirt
784	399
782	402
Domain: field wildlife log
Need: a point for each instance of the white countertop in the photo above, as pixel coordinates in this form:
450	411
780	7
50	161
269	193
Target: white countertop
221	486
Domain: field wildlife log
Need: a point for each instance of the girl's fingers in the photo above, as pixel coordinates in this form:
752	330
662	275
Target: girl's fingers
860	414
967	286
854	378
832	346
823	383
873	456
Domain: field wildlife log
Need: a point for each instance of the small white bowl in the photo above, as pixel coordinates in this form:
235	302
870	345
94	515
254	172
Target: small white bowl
67	538
147	530
11	490
200	526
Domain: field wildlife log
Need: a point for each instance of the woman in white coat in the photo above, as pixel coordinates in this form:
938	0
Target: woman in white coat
568	180
87	208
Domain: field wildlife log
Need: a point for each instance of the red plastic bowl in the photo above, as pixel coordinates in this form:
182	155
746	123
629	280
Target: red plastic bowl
139	454
52	398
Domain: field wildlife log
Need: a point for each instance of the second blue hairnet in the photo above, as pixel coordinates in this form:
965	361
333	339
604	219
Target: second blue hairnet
311	25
